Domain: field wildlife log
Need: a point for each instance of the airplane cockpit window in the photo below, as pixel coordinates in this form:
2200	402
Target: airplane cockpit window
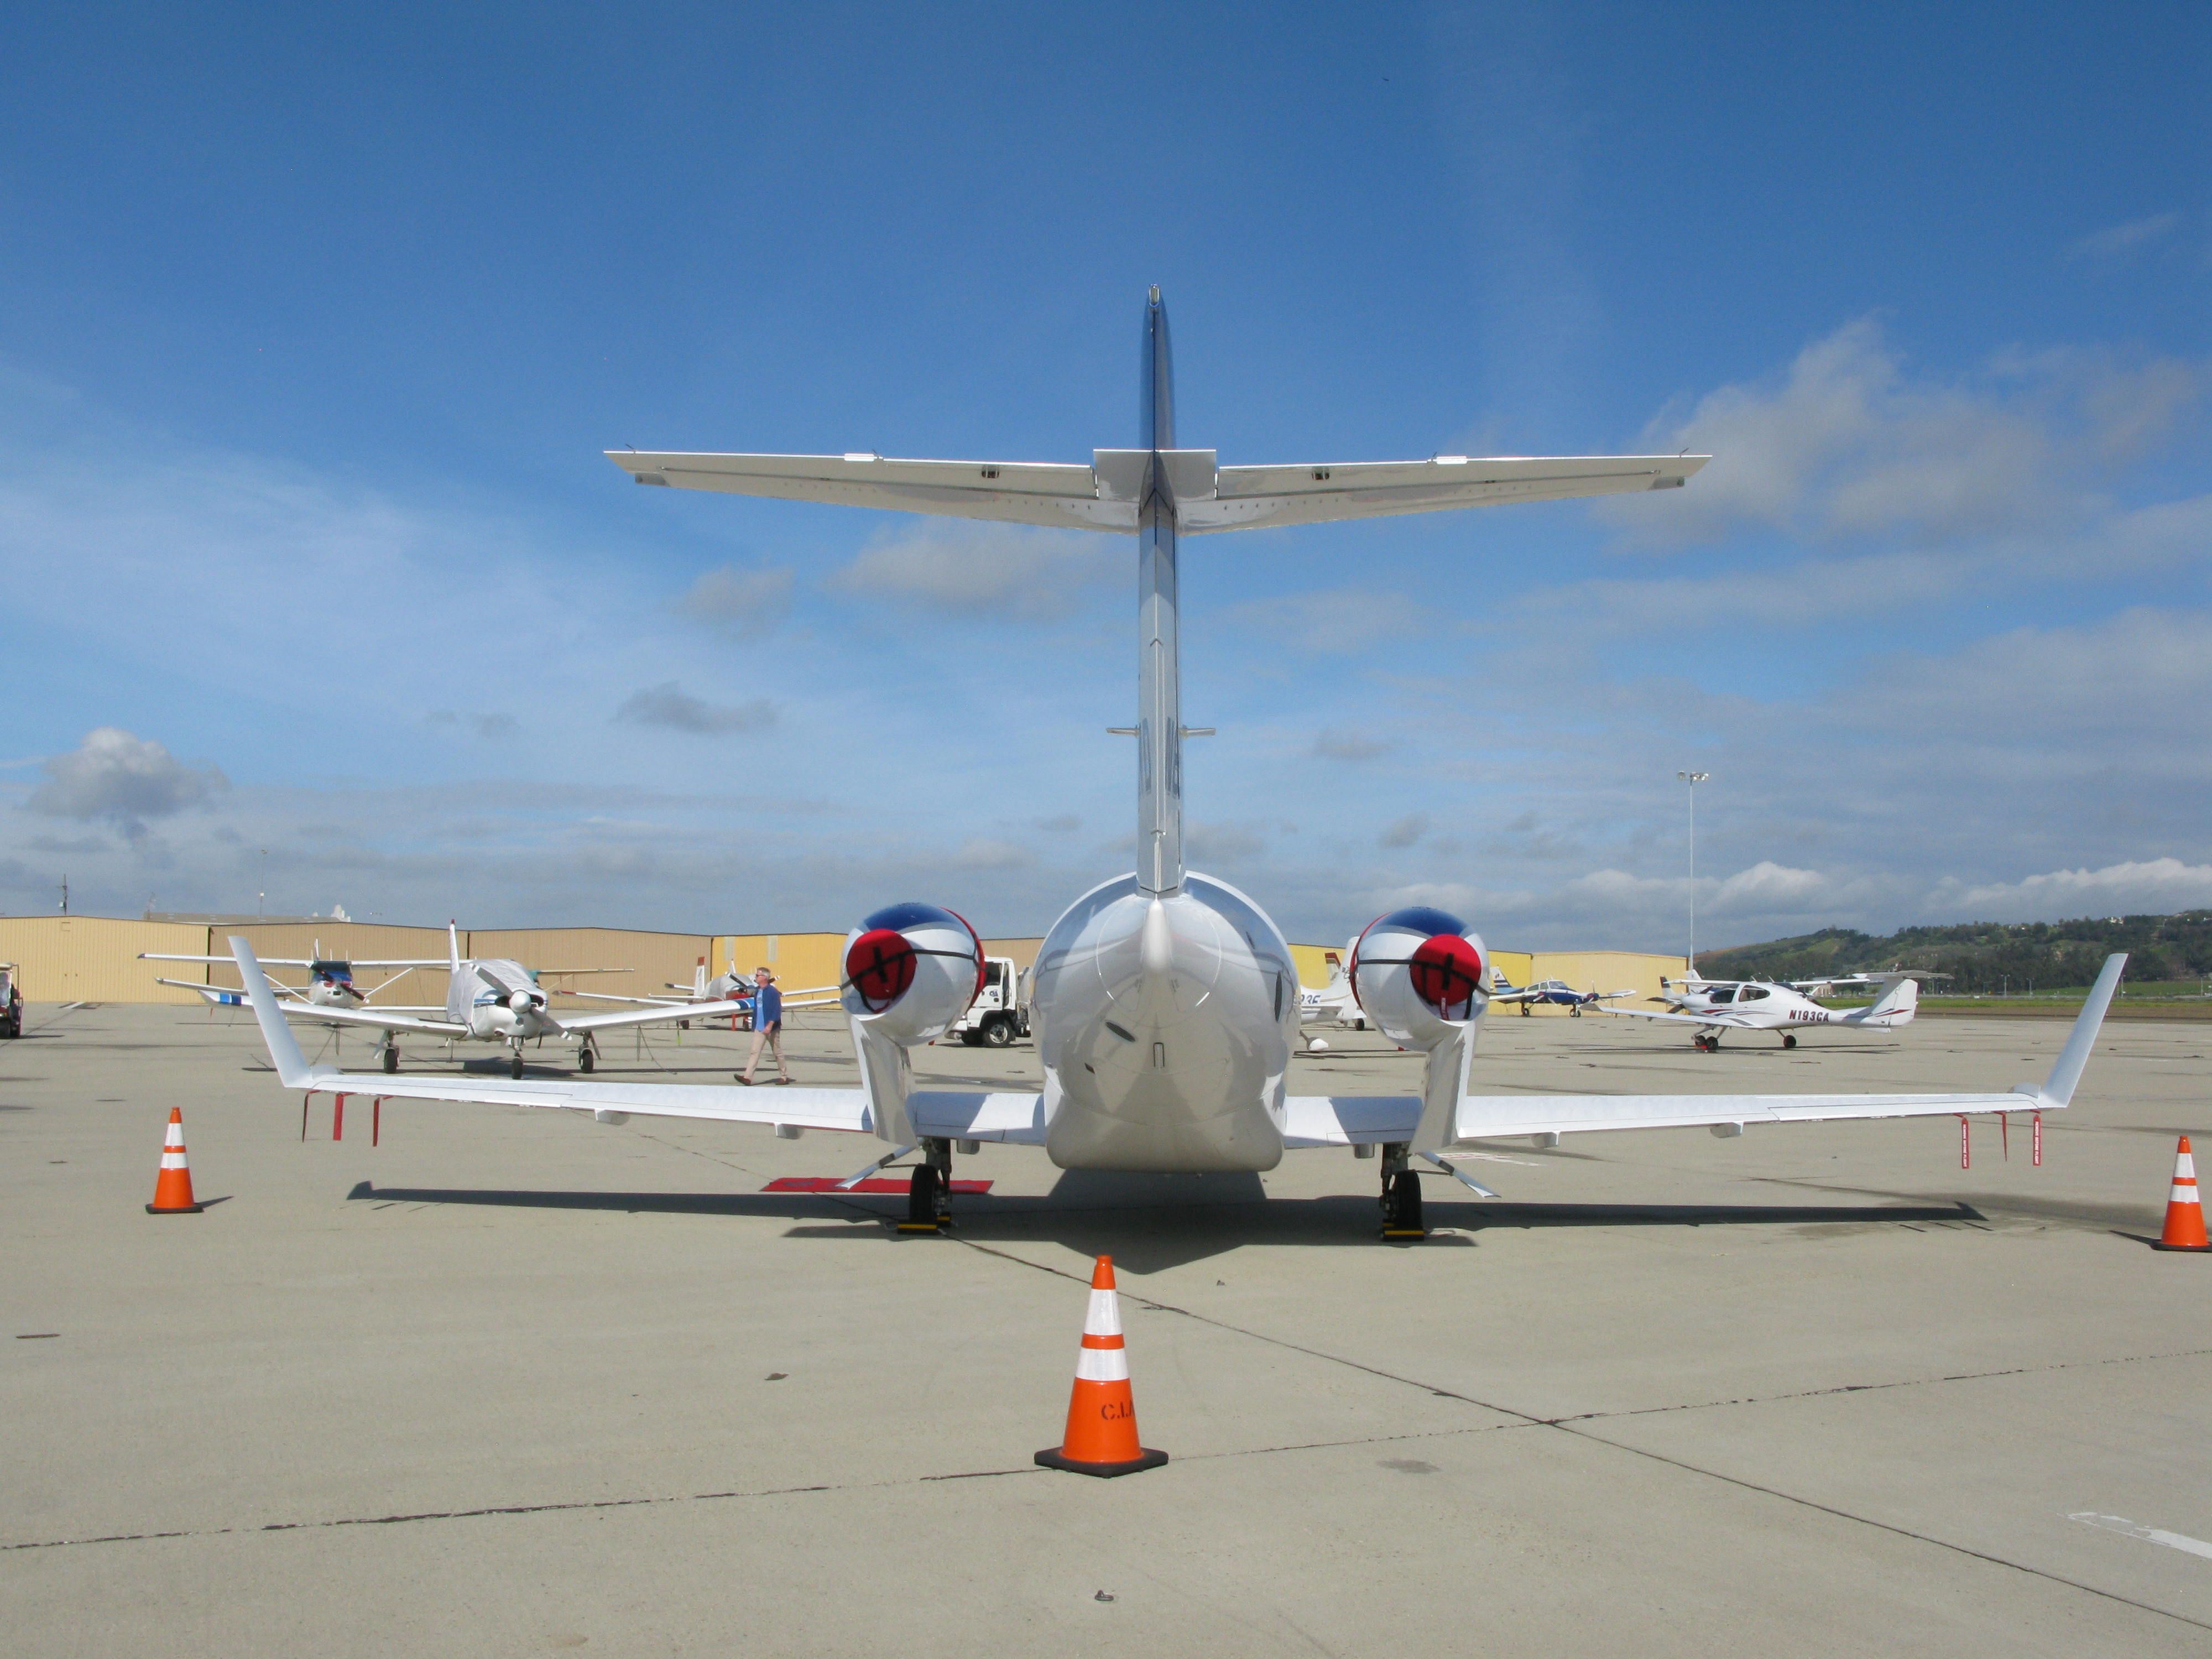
1752	993
1726	993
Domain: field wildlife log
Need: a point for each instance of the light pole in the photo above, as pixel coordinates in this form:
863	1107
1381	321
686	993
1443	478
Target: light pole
1693	778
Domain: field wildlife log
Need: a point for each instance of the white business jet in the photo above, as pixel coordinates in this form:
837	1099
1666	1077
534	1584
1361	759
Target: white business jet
1166	1004
487	999
1718	1006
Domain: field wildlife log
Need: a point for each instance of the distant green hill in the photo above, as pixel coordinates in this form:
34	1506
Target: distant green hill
1985	956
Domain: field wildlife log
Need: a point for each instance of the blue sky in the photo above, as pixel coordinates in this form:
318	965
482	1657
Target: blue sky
313	326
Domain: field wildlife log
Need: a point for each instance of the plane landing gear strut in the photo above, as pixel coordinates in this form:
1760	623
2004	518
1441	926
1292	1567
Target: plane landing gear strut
928	1193
388	1053
514	1062
1402	1196
589	1056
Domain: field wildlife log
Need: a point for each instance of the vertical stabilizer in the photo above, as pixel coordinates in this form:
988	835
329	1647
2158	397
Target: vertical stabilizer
1159	692
453	948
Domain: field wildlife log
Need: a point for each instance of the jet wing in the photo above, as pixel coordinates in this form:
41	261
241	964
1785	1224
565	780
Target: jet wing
1353	1119
1066	497
1256	497
973	1116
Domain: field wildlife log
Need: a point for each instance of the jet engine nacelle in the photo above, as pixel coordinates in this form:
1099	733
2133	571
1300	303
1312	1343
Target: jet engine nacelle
910	971
1418	974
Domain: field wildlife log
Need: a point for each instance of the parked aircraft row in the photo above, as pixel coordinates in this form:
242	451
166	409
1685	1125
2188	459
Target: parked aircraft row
1165	1005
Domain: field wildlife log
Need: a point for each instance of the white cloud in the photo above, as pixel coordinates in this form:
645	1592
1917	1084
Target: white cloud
987	570
1848	442
2153	886
114	775
669	705
744	604
2116	243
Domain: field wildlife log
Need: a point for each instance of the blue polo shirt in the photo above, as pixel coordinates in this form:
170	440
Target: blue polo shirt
767	1007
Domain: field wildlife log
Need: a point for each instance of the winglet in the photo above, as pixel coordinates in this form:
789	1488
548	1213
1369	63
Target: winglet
292	1068
2059	1087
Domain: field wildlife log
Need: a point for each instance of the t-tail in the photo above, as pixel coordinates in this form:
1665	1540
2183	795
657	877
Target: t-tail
1159	694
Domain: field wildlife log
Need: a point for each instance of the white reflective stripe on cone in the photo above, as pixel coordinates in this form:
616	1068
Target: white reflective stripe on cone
1104	1317
2185	1165
174	1158
174	1141
1103	1365
2183	1195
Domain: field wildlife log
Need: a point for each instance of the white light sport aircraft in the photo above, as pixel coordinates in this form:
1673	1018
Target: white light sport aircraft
1718	1006
487	999
1166	1004
330	980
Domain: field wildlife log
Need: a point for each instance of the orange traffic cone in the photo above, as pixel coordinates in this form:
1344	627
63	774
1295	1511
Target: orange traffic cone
2185	1215
1102	1417
173	1187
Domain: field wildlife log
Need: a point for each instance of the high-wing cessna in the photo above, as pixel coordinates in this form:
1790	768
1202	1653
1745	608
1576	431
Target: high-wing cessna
487	999
330	980
1551	993
1718	1006
1164	1001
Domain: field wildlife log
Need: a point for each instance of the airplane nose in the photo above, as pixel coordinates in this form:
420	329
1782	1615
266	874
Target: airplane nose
519	1002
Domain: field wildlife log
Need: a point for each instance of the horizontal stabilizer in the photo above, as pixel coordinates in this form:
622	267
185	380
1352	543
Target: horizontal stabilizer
1106	493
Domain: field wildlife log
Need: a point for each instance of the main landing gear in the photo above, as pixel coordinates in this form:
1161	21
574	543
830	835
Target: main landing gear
929	1189
1712	1045
1402	1196
1790	1039
589	1056
388	1052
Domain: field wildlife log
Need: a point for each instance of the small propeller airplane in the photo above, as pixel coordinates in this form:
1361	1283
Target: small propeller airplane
492	1000
1164	1001
1551	992
330	980
1718	1006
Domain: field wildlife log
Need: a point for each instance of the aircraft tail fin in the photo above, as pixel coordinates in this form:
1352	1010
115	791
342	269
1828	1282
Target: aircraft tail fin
699	980
452	947
1898	1002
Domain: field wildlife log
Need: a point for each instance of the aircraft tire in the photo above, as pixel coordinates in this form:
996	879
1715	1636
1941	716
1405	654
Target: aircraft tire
515	1066
1790	1039
585	1060
391	1059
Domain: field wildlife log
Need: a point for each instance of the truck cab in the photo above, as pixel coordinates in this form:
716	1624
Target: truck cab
999	1013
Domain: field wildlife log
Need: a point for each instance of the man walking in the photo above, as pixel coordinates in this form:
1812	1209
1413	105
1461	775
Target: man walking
768	1026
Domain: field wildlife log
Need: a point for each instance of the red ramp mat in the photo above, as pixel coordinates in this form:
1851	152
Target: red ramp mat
873	1184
